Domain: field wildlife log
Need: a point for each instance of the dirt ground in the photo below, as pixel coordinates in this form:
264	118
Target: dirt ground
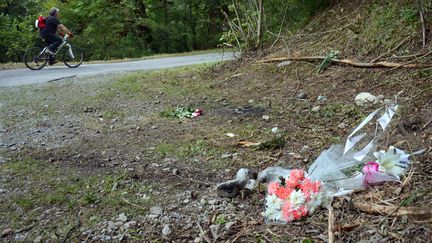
95	159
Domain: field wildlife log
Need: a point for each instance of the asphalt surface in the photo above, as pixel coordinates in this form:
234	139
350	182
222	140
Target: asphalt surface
25	76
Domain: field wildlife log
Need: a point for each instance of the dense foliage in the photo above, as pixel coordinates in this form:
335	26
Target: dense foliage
131	28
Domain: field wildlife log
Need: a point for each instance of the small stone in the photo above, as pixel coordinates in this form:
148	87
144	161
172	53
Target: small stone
156	210
153	127
214	229
283	64
37	239
316	108
166	230
229	225
175	171
251	101
302	96
342	125
266	117
213	201
322	99
226	156
122	217
305	149
130	224
275	130
198	240
7	232
366	99
152	216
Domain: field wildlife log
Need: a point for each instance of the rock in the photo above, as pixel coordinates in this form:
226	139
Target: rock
272	174
152	216
316	108
130	224
153	127
283	64
251	101
166	230
232	188
111	226
342	125
275	130
302	96
122	217
7	232
266	117
250	185
305	149
214	229
175	171
213	201
229	225
226	156
37	239
156	210
322	99
366	99
198	240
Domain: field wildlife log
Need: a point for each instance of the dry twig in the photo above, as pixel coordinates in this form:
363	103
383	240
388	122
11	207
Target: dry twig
133	204
392	50
422	19
331	227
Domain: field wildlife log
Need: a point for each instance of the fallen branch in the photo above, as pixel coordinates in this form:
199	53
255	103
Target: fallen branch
409	63
350	62
393	210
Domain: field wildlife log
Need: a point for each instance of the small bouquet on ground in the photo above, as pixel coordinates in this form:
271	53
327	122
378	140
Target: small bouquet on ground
292	197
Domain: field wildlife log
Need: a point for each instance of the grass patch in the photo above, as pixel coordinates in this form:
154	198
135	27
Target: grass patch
42	185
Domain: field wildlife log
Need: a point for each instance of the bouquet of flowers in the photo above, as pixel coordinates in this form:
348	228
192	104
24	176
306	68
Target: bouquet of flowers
337	171
292	197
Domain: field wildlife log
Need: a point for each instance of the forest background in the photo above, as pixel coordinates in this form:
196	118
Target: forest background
111	29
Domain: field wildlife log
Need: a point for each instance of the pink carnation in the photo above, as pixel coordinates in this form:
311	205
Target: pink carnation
292	182
283	192
287	212
299	174
272	187
299	213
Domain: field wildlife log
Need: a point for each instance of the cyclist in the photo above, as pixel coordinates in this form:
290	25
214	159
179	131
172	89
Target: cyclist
49	33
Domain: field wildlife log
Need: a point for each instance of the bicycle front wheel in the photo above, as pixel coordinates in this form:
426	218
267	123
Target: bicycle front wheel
35	58
73	56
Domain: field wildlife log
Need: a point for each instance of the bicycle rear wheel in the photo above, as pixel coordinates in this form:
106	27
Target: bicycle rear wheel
73	56
35	58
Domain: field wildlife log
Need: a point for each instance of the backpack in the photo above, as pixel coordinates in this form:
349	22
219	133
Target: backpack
40	22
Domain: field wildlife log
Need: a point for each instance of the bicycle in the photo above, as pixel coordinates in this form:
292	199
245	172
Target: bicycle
36	58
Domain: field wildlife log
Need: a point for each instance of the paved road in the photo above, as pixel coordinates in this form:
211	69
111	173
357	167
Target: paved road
23	76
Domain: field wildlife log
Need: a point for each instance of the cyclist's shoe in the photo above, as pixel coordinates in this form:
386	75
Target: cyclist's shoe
47	50
51	60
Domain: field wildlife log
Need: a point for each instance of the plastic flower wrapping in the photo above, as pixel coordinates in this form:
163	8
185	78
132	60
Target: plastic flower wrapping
339	170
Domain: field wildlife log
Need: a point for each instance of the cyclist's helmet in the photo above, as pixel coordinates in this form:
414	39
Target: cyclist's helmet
53	11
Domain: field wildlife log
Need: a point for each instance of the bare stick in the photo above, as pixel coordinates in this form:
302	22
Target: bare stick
133	204
331	220
422	19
